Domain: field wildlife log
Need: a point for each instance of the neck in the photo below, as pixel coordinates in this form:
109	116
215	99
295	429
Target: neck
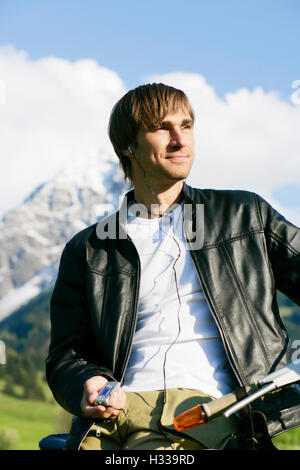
158	202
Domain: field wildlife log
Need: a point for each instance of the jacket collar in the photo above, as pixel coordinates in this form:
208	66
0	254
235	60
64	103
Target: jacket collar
193	216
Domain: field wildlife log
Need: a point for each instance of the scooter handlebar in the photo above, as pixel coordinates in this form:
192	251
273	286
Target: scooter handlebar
201	414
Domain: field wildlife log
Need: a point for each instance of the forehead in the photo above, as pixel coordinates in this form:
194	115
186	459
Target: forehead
177	116
150	113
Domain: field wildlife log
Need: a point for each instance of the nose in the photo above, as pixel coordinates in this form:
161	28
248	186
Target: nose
176	139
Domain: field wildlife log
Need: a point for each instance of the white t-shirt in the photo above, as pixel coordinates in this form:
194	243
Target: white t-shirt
176	336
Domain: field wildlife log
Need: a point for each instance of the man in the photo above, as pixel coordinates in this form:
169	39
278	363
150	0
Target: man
176	303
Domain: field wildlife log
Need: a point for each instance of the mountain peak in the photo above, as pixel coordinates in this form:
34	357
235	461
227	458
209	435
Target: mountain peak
33	235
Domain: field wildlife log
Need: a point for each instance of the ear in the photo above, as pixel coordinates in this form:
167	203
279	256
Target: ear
128	152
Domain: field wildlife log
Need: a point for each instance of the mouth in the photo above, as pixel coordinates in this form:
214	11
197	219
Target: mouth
177	157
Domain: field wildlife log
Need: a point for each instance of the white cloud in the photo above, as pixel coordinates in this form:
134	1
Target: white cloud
56	112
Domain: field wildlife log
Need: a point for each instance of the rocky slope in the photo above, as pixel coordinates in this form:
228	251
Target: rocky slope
33	235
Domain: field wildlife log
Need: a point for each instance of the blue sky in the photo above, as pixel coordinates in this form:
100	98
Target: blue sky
233	43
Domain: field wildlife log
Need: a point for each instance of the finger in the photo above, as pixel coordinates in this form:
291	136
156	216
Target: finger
111	412
93	396
95	411
118	399
93	386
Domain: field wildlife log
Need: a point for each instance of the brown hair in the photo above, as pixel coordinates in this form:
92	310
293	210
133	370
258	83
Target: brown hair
142	108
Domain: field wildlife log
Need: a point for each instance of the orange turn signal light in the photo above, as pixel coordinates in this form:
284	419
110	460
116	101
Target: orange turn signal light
190	419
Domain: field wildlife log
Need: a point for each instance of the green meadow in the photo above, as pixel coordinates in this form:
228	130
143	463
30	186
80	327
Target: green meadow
26	421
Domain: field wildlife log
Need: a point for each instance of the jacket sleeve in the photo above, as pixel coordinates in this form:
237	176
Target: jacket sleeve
68	365
283	245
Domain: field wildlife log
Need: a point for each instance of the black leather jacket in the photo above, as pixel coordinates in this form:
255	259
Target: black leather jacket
249	251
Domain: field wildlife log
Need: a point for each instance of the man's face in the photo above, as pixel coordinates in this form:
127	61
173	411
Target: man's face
165	154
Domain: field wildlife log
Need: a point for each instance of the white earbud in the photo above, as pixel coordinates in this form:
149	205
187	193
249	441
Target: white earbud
129	148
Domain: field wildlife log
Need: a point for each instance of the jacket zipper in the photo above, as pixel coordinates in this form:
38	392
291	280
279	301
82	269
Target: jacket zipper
85	434
209	303
129	349
226	347
98	430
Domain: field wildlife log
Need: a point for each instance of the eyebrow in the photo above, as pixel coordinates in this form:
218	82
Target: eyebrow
184	122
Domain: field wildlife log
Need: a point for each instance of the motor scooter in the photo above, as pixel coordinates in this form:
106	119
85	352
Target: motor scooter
237	402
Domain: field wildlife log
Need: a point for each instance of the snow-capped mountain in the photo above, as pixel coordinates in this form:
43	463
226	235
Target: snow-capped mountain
33	235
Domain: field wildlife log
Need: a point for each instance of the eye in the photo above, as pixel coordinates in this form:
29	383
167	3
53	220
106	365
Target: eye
160	128
187	127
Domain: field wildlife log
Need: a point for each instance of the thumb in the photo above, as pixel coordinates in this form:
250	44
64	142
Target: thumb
93	386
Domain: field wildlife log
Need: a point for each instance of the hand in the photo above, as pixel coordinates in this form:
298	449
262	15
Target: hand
90	391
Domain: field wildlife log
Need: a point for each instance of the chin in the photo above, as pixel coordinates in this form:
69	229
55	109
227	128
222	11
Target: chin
180	175
169	177
173	179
